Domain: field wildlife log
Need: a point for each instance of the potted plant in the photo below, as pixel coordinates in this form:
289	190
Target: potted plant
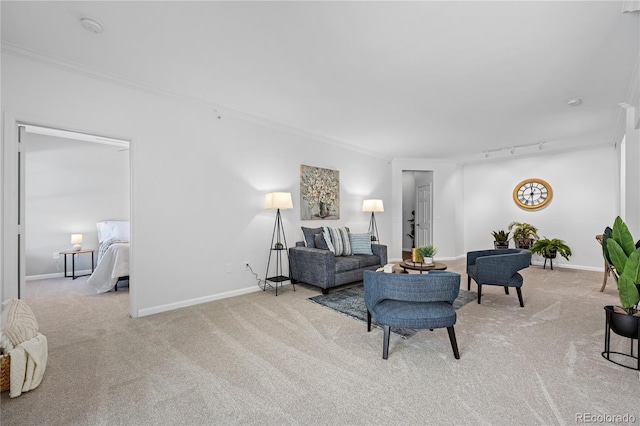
550	248
500	239
523	234
427	252
623	256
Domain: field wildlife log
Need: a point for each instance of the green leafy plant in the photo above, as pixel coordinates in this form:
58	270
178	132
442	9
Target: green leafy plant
550	247
623	255
500	236
523	234
428	251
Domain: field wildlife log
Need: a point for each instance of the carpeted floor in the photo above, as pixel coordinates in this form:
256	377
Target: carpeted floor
350	301
258	359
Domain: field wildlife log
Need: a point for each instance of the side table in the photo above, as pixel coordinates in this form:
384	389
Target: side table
73	275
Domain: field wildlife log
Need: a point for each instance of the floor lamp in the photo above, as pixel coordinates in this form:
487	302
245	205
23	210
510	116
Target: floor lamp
373	206
277	201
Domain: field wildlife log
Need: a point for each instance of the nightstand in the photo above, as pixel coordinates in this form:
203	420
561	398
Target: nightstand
73	262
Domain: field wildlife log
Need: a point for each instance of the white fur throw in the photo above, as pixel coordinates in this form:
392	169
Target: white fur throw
18	322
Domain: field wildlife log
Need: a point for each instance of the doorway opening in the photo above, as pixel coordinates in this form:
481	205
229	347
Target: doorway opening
68	182
417	210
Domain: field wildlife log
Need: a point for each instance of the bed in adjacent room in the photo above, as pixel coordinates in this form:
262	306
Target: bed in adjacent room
113	255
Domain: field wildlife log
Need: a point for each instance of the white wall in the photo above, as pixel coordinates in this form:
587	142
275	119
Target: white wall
69	186
198	182
584	186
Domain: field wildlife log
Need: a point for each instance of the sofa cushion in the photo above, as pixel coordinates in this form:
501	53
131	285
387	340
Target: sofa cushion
347	263
340	241
366	260
309	234
360	243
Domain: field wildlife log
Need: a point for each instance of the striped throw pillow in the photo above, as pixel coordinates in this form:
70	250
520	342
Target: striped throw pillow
360	243
340	241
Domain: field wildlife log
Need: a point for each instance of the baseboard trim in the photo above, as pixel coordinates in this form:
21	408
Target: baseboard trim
196	301
54	275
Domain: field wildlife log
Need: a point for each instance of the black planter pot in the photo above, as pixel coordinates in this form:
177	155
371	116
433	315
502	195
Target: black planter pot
623	325
501	244
524	243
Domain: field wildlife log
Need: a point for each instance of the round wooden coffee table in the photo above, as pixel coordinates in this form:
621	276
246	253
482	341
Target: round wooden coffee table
435	266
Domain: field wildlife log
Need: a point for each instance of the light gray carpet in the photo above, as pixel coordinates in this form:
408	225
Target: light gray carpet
261	359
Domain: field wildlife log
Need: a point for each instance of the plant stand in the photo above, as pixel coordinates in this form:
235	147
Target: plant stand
550	257
625	326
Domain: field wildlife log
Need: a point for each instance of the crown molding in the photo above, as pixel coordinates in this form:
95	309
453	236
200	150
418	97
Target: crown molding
219	111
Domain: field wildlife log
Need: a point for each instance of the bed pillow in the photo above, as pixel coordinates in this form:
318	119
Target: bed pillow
340	241
309	235
360	243
18	322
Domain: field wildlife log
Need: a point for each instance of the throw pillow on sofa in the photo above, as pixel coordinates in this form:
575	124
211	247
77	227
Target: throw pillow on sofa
309	236
340	241
360	243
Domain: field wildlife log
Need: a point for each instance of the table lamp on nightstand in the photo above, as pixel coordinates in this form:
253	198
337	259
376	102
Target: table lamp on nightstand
76	240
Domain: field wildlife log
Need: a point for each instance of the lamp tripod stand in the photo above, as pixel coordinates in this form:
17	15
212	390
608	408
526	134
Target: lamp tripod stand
278	247
373	228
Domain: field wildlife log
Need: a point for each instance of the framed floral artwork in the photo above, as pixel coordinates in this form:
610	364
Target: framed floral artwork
319	193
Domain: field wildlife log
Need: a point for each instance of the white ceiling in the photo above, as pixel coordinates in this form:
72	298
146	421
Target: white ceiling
401	79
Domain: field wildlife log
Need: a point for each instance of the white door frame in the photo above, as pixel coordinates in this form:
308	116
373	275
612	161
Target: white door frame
12	260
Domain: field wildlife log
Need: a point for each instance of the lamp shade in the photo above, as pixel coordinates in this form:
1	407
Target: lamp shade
372	206
278	200
76	240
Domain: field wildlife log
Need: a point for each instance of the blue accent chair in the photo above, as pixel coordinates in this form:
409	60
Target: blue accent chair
412	301
497	267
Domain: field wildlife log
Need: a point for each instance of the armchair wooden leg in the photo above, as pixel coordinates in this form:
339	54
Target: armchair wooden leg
479	292
385	342
454	342
468	283
368	321
519	290
606	275
506	290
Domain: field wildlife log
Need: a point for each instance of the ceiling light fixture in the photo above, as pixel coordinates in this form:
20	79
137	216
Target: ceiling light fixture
574	102
91	25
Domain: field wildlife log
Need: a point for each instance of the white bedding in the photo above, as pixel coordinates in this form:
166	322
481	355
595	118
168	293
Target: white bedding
113	265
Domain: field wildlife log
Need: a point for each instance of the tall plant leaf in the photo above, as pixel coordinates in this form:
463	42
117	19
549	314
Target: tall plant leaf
627	289
617	256
623	236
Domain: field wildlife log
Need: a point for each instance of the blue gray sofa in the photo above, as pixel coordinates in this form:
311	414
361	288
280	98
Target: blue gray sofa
321	268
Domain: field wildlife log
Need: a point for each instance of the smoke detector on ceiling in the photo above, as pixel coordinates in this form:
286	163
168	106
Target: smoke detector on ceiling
91	25
574	102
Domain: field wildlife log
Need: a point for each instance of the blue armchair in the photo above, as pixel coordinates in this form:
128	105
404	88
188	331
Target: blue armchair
497	267
412	301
